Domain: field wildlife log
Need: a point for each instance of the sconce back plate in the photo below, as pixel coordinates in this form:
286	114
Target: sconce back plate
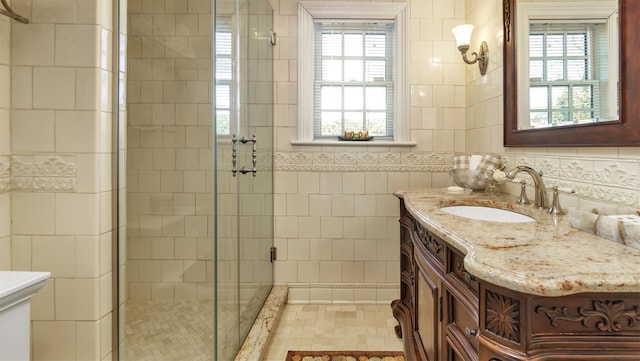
483	58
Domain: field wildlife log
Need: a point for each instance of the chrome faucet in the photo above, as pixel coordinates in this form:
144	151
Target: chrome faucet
540	189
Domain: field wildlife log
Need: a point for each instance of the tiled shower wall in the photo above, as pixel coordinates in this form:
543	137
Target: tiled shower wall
5	144
169	170
337	227
607	176
60	161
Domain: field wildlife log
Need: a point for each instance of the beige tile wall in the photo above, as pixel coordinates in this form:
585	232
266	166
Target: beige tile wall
337	233
453	108
600	176
336	218
5	144
60	156
169	164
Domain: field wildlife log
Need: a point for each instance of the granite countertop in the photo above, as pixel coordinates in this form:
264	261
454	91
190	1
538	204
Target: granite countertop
546	258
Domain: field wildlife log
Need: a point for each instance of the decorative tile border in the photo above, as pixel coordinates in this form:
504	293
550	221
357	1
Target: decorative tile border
602	180
599	180
5	185
608	181
598	193
43	184
55	166
362	161
38	173
21	166
5	174
614	174
5	167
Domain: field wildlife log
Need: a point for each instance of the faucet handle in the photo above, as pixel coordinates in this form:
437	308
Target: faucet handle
566	190
523	199
555	204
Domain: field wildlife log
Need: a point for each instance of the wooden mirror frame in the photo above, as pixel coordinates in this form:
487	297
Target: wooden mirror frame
622	132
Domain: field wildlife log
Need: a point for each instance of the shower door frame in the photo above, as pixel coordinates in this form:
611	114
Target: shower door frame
251	113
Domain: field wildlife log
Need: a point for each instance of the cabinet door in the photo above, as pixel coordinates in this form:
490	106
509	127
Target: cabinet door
428	314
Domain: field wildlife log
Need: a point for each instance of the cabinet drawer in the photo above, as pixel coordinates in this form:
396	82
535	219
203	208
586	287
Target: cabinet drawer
461	323
457	270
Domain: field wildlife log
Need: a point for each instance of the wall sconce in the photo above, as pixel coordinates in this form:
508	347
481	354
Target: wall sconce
463	40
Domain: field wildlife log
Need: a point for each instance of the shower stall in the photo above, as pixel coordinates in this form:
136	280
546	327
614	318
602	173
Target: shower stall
195	256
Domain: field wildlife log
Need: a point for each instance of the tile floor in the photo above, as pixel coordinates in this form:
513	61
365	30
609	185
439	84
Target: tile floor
333	327
168	331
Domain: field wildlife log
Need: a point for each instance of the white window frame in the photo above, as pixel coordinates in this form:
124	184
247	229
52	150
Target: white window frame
228	82
569	10
310	10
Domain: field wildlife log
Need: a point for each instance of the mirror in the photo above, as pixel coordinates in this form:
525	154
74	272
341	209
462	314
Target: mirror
623	131
567	61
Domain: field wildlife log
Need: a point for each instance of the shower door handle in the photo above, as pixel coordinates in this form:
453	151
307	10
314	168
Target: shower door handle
234	154
254	155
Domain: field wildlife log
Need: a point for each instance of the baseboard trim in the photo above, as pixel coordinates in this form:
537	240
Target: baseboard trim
342	293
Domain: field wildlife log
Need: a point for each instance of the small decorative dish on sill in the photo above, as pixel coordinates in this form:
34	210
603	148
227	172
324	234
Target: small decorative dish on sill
358	136
354	140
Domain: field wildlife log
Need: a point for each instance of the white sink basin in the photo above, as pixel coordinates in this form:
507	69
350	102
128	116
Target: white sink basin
16	290
487	214
16	286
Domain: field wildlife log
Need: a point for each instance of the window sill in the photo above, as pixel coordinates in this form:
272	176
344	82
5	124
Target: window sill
338	143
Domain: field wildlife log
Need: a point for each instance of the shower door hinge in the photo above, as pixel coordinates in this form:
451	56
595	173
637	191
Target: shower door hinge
274	254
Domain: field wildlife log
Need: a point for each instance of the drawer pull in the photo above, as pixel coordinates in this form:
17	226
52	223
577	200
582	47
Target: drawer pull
469	332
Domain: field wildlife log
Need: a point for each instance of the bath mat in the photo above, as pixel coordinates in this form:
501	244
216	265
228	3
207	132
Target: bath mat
345	356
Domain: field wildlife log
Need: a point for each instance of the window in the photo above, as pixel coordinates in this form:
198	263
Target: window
223	77
568	64
351	70
353	78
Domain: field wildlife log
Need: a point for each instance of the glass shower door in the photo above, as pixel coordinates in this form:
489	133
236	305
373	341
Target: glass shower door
166	252
244	171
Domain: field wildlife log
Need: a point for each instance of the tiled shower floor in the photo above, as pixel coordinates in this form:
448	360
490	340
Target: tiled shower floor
183	330
168	331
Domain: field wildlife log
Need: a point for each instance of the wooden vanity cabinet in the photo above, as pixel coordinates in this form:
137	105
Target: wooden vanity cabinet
446	314
419	309
437	309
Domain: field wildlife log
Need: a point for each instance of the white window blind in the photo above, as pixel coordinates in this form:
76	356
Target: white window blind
354	77
568	71
223	75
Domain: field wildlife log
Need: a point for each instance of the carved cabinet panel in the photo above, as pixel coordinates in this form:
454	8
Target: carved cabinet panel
502	318
428	312
590	314
594	326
